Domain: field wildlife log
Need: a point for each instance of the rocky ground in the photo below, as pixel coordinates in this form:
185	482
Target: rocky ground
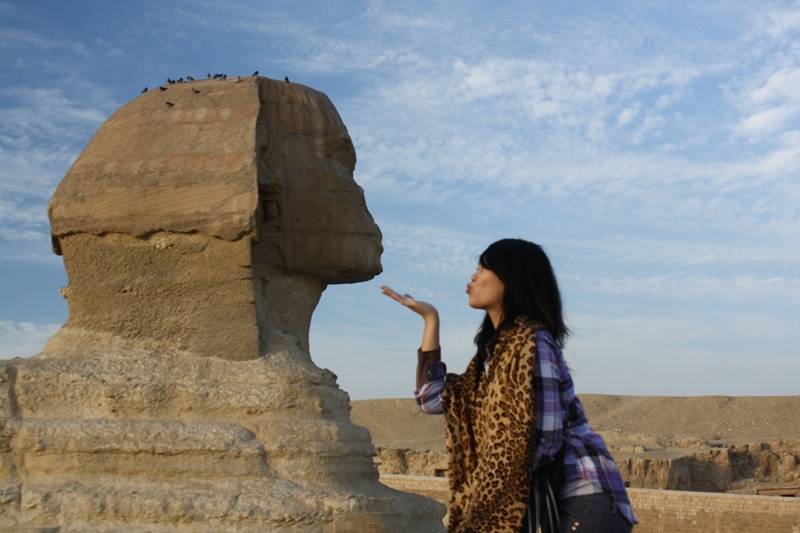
708	443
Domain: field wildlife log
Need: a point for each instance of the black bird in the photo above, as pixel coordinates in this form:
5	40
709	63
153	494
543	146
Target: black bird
170	81
216	76
195	91
255	73
180	80
208	76
287	79
189	78
144	90
170	104
163	88
224	77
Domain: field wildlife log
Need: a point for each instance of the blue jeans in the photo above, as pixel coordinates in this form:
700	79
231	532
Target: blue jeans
593	513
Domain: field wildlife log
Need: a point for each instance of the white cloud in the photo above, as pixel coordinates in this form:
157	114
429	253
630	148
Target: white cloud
784	160
23	339
783	84
628	114
768	120
433	249
42	131
49	113
35	237
779	23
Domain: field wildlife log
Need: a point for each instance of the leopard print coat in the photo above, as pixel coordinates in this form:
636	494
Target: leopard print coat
490	435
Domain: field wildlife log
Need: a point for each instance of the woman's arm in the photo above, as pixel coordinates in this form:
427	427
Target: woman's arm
430	370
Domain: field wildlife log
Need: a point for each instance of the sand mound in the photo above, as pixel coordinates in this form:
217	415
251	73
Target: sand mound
398	422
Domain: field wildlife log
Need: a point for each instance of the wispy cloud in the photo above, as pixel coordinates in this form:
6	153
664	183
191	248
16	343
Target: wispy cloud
23	339
42	131
433	249
15	37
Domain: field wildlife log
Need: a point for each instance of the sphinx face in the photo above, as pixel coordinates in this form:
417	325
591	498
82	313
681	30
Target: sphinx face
311	208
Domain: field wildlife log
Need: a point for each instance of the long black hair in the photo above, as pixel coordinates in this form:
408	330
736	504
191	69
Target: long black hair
530	289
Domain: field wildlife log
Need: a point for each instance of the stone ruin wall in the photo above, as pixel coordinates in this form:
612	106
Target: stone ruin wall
722	468
668	511
668	495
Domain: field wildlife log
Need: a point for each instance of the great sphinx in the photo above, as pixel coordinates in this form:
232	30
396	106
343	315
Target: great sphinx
198	238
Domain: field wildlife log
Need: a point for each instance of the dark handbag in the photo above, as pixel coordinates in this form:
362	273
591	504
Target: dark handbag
545	490
546	486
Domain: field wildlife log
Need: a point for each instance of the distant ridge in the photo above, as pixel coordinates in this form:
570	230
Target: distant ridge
398	422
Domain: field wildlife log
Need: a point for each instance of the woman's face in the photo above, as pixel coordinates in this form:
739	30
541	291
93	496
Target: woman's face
486	291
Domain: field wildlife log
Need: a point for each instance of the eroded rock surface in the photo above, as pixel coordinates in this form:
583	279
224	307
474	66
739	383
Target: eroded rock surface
180	393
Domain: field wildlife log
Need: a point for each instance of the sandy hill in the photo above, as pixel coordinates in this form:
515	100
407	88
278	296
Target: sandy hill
398	423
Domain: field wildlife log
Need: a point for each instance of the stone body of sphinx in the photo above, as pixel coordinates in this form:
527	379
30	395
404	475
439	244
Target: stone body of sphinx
180	394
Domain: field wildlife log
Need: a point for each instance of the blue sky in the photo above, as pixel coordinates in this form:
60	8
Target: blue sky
652	147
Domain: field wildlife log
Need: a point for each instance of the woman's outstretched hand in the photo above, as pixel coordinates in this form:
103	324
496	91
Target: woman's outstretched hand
424	309
430	335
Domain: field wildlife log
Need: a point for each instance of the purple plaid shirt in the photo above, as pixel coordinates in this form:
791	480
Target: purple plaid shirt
586	455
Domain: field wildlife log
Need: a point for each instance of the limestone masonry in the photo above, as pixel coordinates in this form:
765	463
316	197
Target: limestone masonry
180	394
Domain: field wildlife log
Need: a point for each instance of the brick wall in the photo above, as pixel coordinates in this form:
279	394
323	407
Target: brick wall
668	511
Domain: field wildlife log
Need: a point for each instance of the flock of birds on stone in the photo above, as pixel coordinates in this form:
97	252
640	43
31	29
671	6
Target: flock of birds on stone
221	77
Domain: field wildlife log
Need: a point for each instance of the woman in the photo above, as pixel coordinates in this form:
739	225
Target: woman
512	418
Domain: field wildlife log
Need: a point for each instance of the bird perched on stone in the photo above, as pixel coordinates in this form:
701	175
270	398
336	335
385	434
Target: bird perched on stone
287	79
163	88
169	81
195	91
144	90
180	80
255	73
217	76
170	104
189	78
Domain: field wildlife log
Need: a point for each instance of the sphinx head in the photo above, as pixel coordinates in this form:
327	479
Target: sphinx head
213	225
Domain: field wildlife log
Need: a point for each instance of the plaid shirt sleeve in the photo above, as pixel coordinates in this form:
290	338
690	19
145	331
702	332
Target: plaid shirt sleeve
429	395
587	456
549	419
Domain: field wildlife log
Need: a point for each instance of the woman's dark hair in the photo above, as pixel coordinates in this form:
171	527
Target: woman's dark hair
530	289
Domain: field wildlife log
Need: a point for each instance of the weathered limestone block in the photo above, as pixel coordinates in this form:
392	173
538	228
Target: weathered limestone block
432	463
180	393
